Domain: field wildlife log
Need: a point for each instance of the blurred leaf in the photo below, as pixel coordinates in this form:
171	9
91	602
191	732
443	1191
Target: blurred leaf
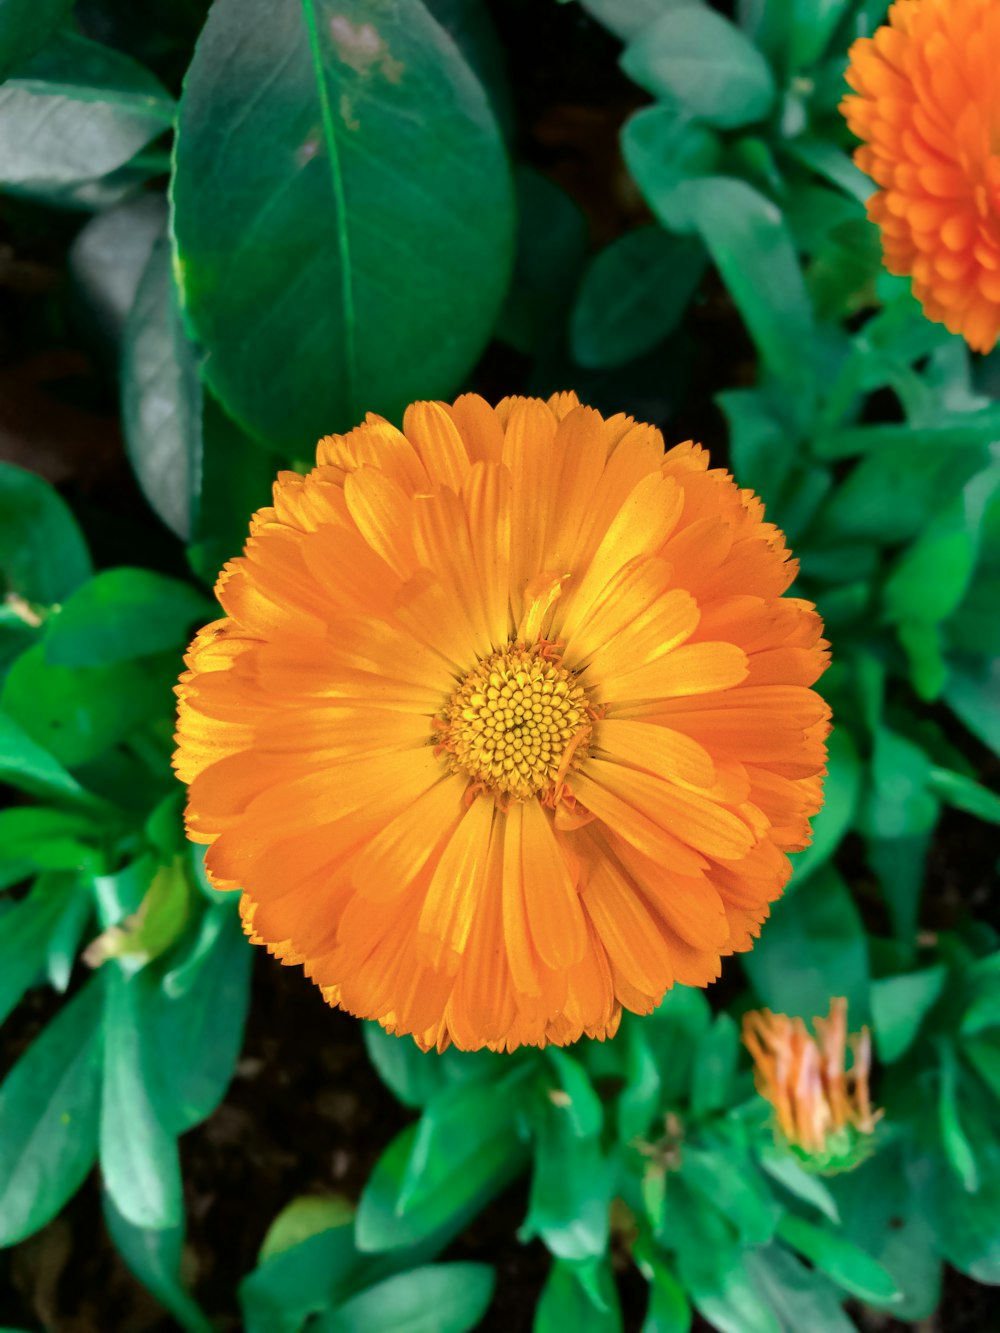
729	1183
753	250
813	26
48	1118
666	152
929	579
570	1187
306	137
470	26
26	766
303	1218
107	259
567	1303
551	251
713	1272
75	112
139	1160
279	1295
674	1032
900	804
715	1067
155	1257
123	614
899	1007
439	1298
799	1296
970	1226
48	839
25	935
832	163
847	1265
697	58
781	1166
633	294
840	795
79	713
957	1146
813	947
43	556
415	1076
627	18
963	793
668	1310
26	25
200	1031
153	928
162	397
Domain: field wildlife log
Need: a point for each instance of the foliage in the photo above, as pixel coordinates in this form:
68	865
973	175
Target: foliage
323	221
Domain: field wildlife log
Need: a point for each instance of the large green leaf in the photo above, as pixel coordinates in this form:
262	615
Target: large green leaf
697	58
48	1118
155	1257
76	111
107	260
24	764
25	25
123	614
342	210
162	397
43	556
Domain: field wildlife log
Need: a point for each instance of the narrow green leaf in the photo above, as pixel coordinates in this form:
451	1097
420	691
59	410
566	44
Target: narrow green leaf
162	398
75	112
155	1257
139	1158
957	1146
48	1118
122	614
697	58
667	153
28	767
438	1298
714	1067
633	294
308	133
802	1298
849	1267
781	1166
43	556
841	787
25	936
567	1303
964	794
974	695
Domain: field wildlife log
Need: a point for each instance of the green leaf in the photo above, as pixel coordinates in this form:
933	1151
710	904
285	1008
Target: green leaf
814	947
570	1187
830	162
697	58
813	27
666	153
415	1076
122	614
899	1007
26	766
162	397
155	926
970	1226
963	793
48	1118
931	576
715	1067
139	1158
957	1145
900	806
200	1031
79	713
845	1263
668	1310
627	18
25	936
75	112
728	1182
26	25
48	839
673	1032
438	1298
567	1301
43	556
633	294
781	1166
303	1218
840	796
342	209
717	1282
751	246
974	695
308	1278
155	1257
799	1296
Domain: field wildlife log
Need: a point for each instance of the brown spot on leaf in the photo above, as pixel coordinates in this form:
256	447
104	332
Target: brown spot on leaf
364	49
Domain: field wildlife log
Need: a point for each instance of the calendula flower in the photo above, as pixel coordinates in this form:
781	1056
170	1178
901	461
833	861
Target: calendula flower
928	109
507	724
823	1109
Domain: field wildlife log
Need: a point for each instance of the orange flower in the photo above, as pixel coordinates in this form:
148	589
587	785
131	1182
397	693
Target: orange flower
929	112
824	1110
508	724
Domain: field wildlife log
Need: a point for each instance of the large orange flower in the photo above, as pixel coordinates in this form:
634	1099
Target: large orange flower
508	724
929	112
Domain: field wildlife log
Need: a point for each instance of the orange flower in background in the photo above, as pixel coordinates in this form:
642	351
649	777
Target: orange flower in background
508	724
823	1109
928	110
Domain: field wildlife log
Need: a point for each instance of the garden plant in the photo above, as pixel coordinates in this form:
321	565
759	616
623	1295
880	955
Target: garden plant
500	508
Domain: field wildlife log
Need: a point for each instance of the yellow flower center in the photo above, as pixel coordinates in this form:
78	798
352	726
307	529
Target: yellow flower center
515	723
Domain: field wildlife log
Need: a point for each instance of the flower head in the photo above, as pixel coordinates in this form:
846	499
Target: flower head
507	724
928	109
823	1109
